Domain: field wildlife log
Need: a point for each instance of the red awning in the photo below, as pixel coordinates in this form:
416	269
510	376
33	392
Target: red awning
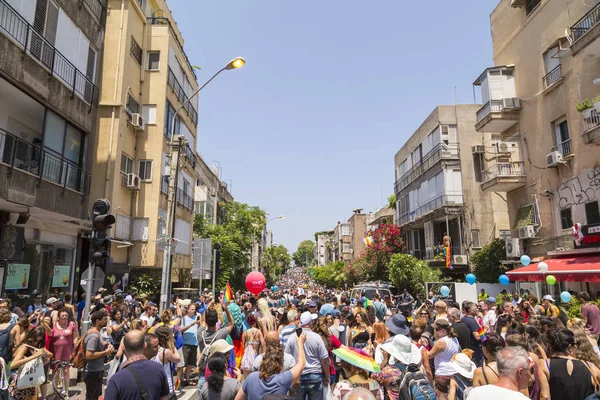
570	269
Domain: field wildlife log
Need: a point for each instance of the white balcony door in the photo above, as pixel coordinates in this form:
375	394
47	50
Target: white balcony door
551	59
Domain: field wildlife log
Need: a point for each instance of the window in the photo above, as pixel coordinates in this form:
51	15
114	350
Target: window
475	239
552	67
566	218
123	227
126	164
478	166
161	229
140	229
136	51
169	115
346	248
345	230
531	5
149	114
153	61
592	213
145	170
561	137
132	105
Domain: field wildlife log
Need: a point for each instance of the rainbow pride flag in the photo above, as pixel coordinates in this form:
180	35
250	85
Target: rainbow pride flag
448	257
481	332
228	294
366	302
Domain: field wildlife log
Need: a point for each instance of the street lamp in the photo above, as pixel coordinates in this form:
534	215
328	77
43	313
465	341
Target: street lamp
165	292
279	217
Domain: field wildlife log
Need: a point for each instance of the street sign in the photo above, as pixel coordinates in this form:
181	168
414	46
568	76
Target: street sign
202	257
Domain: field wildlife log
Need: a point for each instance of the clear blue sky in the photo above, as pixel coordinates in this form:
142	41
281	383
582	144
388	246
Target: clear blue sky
330	92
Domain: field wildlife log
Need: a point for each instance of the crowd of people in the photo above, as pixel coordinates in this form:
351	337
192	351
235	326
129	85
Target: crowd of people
305	341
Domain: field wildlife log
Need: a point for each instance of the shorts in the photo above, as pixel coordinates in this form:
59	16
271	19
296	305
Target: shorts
442	384
190	355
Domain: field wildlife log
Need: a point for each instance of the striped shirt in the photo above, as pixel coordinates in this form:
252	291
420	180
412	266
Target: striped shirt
286	332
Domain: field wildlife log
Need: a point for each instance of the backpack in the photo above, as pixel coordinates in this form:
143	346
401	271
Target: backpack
178	337
6	344
463	387
206	351
78	359
415	385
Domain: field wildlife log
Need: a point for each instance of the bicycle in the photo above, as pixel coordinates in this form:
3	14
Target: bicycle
58	377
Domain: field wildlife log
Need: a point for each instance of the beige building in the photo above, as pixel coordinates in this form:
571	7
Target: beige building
546	62
440	182
346	241
146	78
50	64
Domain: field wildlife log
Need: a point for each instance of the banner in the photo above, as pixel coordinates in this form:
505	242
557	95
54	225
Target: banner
61	275
435	288
17	276
201	267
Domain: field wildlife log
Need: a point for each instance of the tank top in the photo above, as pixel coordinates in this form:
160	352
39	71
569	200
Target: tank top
563	386
452	347
166	366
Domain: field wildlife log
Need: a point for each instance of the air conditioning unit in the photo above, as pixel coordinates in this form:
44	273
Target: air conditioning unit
212	191
511	103
460	259
516	3
554	158
137	121
133	182
479	149
503	147
526	232
513	248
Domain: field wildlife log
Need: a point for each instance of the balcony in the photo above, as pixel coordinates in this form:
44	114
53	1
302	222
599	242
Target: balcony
504	176
496	116
580	29
440	152
552	77
180	93
20	32
563	148
453	199
97	8
185	199
591	128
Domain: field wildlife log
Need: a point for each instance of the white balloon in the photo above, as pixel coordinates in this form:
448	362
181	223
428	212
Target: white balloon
543	267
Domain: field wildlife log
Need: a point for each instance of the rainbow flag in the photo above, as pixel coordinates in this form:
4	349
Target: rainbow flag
228	294
177	384
448	257
481	332
366	302
368	241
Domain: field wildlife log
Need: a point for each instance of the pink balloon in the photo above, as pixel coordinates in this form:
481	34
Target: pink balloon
255	282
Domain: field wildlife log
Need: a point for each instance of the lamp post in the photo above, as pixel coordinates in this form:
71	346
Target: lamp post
165	292
264	232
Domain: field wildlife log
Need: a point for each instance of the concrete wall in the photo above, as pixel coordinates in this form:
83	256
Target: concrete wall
358	222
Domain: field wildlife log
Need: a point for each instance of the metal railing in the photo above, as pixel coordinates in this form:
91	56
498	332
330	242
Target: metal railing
20	31
490	106
164	184
438	202
552	77
97	8
185	199
587	22
441	151
504	169
34	159
180	93
592	122
563	148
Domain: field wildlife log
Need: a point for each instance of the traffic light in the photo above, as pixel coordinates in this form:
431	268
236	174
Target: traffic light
101	222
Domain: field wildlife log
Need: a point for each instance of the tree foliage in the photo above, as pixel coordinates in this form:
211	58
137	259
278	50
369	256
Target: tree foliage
487	262
392	201
408	272
305	253
241	225
274	260
144	284
331	275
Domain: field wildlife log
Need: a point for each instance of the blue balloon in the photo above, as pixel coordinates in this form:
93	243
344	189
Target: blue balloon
504	280
565	297
445	291
471	279
275	288
326	309
525	260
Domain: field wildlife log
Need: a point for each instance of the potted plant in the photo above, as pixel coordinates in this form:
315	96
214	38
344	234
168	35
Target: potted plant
585	107
597	104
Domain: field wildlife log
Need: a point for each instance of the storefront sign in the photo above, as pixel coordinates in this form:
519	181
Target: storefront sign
61	275
17	276
591	237
435	288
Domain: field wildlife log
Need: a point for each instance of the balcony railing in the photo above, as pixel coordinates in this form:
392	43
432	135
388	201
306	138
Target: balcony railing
164	184
563	148
504	169
180	93
185	199
23	34
587	22
439	152
32	158
489	107
438	202
552	77
98	9
592	122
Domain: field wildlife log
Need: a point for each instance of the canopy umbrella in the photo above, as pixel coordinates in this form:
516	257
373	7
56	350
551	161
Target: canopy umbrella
358	358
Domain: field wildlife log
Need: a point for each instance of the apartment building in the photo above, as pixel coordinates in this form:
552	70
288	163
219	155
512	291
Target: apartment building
50	64
546	62
146	78
346	241
436	187
384	215
323	253
210	192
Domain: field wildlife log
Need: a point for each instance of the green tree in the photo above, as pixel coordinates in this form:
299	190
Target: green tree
305	254
144	284
274	260
392	201
241	225
408	272
331	275
487	262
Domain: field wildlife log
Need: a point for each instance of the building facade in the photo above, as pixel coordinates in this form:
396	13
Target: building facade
546	62
436	188
50	65
323	253
147	78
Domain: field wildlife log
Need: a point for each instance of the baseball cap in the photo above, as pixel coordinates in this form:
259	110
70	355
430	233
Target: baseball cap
548	297
51	300
307	317
312	304
491	299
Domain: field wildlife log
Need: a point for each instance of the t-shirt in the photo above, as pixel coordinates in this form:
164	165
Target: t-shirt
288	362
255	388
93	343
475	344
286	331
230	388
489	320
488	392
592	314
123	386
149	320
190	336
205	338
315	351
80	308
463	334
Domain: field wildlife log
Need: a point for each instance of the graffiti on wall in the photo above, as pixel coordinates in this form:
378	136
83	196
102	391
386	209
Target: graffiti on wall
581	189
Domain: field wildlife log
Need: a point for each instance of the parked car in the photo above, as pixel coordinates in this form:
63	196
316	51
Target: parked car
368	290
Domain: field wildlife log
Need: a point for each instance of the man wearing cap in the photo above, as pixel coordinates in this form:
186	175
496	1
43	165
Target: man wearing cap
551	309
316	373
272	339
488	306
482	296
